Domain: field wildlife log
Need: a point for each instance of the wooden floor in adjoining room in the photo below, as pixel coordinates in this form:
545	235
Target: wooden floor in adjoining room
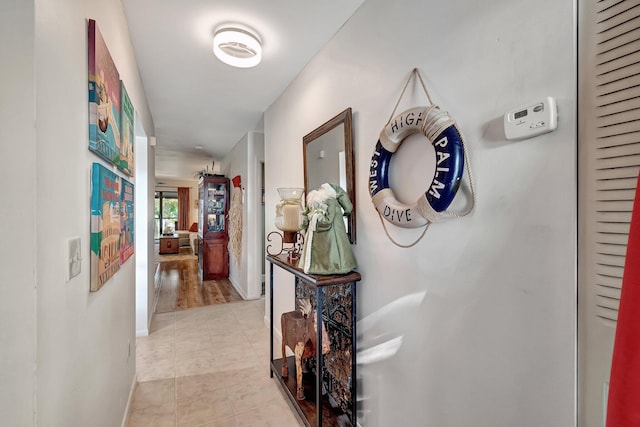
177	278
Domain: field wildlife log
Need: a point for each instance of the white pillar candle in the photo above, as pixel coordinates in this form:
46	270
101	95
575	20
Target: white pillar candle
289	215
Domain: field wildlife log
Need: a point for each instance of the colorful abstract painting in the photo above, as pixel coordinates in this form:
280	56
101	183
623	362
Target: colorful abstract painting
104	99
105	225
126	220
125	158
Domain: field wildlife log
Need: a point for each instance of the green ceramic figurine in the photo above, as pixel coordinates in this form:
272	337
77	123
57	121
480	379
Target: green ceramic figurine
326	248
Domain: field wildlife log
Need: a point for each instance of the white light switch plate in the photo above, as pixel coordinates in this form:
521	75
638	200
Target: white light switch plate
74	253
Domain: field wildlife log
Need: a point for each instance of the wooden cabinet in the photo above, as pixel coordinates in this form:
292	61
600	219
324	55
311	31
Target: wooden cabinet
215	259
335	297
213	209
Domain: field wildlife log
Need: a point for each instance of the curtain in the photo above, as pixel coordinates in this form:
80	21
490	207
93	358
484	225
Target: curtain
624	386
183	208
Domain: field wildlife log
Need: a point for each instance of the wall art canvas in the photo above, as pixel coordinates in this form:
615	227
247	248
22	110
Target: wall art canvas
105	225
126	220
125	159
104	99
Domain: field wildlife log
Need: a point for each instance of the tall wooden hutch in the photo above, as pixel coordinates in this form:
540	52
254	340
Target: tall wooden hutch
213	209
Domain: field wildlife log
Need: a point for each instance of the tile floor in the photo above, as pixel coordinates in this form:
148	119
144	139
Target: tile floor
208	366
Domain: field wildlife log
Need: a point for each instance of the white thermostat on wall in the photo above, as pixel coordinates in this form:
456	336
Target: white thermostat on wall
531	120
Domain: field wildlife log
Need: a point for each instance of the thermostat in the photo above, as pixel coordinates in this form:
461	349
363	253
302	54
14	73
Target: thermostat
531	120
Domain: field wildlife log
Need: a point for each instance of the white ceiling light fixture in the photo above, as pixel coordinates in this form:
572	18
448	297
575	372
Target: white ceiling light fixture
237	47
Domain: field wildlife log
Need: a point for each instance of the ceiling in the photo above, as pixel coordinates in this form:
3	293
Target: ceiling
196	100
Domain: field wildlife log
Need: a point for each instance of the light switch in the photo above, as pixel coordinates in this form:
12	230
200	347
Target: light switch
74	252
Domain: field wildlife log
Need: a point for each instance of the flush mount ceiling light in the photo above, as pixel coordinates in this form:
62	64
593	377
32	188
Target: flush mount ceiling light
237	47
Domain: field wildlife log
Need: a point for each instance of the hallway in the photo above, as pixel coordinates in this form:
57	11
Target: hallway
208	366
180	288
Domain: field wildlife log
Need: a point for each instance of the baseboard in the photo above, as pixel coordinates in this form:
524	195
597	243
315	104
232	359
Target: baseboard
277	345
156	297
276	333
127	409
156	289
237	287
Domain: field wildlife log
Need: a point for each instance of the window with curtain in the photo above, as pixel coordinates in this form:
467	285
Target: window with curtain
183	208
166	211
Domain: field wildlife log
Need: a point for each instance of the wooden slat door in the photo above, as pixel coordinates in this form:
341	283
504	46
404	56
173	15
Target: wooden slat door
609	161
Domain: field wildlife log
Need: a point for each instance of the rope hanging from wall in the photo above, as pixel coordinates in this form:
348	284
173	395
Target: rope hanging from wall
451	162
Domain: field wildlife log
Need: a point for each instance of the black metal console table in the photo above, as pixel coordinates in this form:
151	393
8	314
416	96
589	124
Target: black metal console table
316	407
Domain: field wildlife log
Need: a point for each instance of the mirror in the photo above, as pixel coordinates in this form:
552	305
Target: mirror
328	157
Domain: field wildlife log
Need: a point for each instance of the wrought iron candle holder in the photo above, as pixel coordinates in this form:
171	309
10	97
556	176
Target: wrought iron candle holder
289	220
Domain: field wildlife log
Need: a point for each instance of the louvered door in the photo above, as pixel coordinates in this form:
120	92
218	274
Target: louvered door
609	151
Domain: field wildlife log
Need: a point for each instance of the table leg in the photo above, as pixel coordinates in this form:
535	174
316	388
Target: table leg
271	320
354	373
319	357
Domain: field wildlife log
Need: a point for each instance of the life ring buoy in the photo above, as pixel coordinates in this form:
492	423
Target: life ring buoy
441	130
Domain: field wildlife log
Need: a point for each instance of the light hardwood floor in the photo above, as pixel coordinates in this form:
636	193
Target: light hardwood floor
180	287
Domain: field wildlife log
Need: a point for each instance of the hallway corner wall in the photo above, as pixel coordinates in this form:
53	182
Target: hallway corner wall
85	341
17	213
244	159
476	324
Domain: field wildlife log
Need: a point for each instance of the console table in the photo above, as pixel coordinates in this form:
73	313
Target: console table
316	409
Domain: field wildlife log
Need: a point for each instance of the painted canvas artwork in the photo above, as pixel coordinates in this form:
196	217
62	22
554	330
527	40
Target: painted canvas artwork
126	221
104	99
125	159
105	225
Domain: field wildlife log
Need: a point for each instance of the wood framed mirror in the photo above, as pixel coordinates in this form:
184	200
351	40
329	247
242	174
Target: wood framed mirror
328	157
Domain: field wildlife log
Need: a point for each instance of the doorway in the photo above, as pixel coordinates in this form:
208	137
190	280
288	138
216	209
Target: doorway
609	162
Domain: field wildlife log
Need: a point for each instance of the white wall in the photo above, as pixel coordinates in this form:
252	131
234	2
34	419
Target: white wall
492	342
17	213
152	292
245	160
85	341
255	214
173	164
144	227
235	163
